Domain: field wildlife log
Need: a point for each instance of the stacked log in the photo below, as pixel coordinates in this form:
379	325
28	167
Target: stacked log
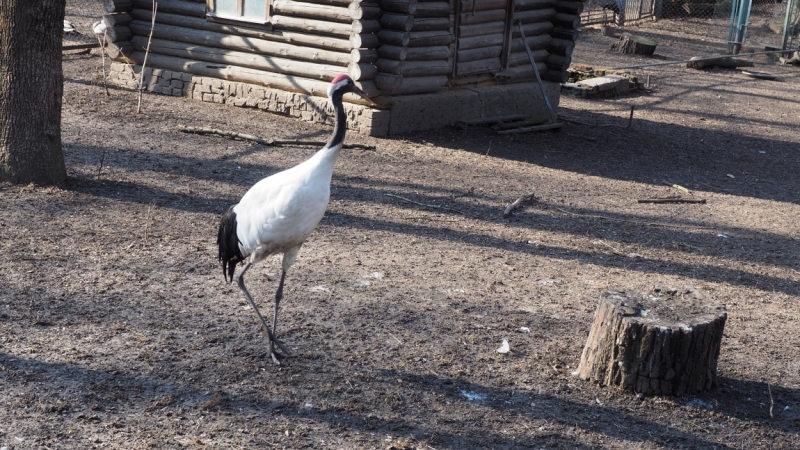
482	33
305	46
416	51
550	28
565	32
118	34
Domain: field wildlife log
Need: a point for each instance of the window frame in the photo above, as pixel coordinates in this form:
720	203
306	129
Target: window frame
211	14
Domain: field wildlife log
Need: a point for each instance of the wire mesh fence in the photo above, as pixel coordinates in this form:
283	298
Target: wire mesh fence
700	27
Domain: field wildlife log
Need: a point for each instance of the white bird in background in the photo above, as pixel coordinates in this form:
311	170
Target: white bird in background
68	28
279	212
99	28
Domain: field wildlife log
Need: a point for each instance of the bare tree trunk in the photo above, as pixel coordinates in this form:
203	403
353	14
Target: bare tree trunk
31	86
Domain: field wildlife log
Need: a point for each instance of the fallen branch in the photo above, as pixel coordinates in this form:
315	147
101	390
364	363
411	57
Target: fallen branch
672	200
548	126
260	140
771	402
425	204
100	166
678	187
725	62
79	46
518	203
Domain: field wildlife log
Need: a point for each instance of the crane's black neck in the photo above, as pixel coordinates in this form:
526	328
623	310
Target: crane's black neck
340	120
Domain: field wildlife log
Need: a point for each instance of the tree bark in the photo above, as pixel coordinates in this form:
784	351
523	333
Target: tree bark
31	87
635	45
663	343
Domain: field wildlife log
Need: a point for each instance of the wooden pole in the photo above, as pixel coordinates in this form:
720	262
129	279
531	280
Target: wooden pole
553	117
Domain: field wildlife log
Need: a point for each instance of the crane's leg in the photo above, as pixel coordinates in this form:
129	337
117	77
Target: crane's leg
278	297
272	341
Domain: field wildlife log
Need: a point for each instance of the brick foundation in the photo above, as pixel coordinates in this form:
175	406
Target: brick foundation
408	113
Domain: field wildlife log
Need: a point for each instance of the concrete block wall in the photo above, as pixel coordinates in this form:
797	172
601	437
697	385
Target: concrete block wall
362	119
408	112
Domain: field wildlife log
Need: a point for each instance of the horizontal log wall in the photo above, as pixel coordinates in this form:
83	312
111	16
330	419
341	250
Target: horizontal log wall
482	28
306	44
550	27
416	52
409	45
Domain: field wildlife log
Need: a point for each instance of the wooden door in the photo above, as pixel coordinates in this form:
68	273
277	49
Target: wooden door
483	29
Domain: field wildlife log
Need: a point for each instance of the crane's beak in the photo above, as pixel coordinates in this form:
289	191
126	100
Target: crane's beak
363	94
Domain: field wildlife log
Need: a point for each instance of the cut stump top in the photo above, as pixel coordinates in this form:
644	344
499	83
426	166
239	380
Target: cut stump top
668	308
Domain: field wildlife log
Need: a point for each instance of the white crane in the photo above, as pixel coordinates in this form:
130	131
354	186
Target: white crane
279	212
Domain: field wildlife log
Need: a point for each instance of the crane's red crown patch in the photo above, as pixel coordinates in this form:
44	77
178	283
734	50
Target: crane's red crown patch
340	77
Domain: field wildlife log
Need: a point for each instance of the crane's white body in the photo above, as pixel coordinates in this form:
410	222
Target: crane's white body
279	212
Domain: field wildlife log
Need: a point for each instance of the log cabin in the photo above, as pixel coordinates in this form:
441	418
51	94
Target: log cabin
427	63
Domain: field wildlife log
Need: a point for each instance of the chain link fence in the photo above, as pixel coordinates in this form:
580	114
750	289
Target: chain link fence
703	27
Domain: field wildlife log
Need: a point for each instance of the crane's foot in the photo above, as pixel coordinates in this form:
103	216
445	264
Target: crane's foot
281	353
278	356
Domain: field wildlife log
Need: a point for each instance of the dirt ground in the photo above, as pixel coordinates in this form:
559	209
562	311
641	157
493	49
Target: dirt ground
118	331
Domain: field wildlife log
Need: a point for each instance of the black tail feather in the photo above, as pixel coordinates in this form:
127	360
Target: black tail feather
228	242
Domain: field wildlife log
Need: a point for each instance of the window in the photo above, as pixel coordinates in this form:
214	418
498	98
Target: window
253	11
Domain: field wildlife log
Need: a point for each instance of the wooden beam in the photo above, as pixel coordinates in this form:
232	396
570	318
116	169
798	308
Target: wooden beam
491	15
468	6
481	29
488	40
478	66
299	39
539	42
430	38
432	24
479	53
119	33
247	75
291	8
433	9
117	6
534	29
524	72
181	7
244	44
534	15
399	6
525	5
400	85
322	27
117	19
319	71
568	21
569	7
414	68
561	47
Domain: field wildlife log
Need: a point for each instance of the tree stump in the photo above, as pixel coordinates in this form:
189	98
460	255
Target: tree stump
662	344
637	45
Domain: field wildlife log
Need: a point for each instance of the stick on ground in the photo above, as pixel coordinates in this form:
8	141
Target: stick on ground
517	203
771	402
672	200
260	140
